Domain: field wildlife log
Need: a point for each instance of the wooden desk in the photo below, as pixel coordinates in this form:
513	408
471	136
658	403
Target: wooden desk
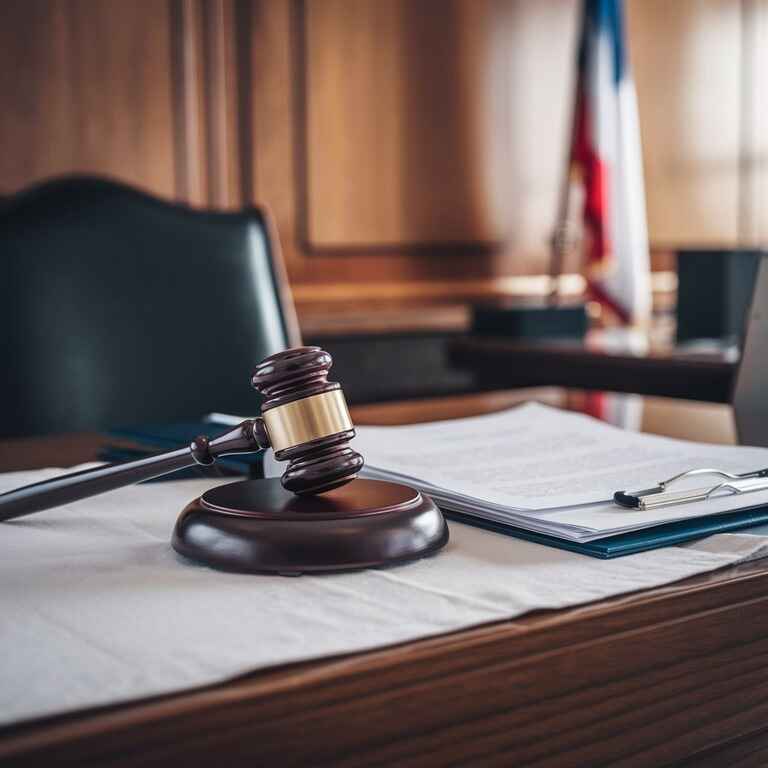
670	676
499	363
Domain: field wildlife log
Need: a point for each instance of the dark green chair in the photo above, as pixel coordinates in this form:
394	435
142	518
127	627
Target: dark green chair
119	308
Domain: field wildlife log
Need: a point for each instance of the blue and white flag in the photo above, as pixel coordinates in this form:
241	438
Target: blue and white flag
606	161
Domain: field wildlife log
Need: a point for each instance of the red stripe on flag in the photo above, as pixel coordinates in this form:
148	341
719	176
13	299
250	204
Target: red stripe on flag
595	177
596	292
595	405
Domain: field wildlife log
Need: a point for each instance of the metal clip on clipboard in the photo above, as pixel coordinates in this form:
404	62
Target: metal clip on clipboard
658	496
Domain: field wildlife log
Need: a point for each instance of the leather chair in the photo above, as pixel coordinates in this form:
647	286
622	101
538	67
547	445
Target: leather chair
119	308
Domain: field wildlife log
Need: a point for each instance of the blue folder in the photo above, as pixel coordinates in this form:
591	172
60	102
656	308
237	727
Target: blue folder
664	535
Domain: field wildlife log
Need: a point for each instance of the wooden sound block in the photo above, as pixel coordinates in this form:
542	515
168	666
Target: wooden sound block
257	526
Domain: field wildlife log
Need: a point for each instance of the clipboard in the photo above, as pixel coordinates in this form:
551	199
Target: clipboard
726	483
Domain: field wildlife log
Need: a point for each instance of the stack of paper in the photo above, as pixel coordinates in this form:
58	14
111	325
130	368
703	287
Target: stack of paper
549	471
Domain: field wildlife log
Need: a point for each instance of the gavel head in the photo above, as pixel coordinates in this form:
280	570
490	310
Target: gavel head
306	420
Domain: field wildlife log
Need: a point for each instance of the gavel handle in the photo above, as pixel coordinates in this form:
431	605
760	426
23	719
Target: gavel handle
249	436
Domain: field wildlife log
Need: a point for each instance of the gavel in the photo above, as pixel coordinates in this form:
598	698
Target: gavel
319	517
304	419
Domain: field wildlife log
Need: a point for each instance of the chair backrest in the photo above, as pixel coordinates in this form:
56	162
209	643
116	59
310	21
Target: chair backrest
119	308
750	394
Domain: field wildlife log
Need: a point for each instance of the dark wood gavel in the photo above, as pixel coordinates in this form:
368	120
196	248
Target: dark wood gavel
304	418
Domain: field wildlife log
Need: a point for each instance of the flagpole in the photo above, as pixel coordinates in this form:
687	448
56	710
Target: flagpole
559	239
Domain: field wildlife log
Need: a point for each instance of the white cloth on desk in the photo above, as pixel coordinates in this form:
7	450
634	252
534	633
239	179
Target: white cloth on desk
96	608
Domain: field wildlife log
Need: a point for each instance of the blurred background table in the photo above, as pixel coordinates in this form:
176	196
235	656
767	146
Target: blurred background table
599	363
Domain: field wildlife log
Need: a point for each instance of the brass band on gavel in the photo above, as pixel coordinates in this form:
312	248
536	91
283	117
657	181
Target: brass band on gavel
310	418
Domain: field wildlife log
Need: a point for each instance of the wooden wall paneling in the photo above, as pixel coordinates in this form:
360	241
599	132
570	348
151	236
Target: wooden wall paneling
393	140
272	111
147	92
397	141
687	74
189	99
753	161
541	40
327	140
277	110
243	73
87	87
207	41
222	105
760	128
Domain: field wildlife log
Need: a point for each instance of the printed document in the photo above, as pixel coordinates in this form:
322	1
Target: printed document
549	470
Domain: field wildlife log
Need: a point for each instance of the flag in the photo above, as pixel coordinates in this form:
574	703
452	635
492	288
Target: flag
606	162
